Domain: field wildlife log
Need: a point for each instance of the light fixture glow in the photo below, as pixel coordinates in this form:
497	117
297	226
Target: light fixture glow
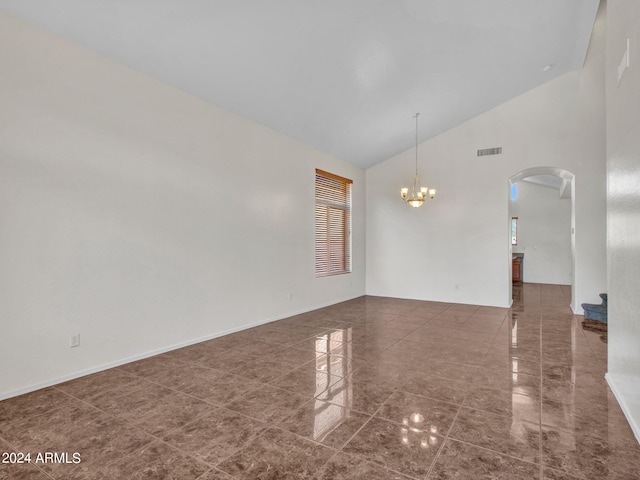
418	193
417	418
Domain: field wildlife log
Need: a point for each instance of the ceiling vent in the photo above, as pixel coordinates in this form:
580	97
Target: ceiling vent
490	151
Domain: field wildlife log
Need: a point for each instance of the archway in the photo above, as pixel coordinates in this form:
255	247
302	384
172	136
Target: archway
568	187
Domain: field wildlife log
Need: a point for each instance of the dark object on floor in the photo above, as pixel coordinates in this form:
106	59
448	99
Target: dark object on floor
596	312
598	327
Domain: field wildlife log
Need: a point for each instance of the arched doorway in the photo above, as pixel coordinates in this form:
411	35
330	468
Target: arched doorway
567	187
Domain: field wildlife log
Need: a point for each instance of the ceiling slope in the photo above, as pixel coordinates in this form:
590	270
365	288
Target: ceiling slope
343	77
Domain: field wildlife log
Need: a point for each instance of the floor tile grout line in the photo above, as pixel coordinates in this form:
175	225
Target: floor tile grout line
493	451
449	438
154	436
175	429
173	389
480	410
214	470
14	449
239	449
541	403
262	384
40	414
446	439
371	417
605	367
337	450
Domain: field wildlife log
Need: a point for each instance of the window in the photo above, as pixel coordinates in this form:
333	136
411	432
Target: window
514	230
333	224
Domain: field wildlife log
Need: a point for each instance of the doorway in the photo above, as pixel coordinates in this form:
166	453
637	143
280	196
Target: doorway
564	182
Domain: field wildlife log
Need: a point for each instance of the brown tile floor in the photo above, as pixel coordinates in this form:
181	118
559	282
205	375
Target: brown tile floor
373	388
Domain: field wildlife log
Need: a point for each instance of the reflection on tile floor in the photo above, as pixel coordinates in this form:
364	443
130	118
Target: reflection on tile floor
375	388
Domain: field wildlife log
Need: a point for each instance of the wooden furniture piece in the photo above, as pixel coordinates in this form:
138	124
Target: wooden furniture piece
516	267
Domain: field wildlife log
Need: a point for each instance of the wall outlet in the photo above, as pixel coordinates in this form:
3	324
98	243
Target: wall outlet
75	340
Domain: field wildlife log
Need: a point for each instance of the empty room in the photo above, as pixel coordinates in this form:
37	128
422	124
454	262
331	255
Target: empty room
319	240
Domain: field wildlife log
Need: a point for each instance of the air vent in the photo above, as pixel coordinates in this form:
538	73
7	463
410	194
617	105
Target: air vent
490	151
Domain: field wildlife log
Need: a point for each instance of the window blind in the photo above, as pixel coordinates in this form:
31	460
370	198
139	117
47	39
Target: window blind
333	224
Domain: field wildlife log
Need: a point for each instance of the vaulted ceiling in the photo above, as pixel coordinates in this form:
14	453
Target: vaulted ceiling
344	76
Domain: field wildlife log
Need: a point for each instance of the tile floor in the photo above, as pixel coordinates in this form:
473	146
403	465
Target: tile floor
373	388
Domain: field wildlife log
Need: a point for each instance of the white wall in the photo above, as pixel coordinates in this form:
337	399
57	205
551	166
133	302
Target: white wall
544	233
623	207
457	247
141	217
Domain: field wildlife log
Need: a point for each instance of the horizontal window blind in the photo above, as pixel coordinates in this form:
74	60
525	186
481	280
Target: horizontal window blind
333	224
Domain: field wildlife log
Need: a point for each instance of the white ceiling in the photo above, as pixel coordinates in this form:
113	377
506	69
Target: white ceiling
549	181
555	182
344	76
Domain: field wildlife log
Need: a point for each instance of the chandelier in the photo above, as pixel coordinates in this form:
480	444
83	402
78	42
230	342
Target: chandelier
418	193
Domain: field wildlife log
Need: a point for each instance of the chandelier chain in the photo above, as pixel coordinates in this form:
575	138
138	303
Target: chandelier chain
416	117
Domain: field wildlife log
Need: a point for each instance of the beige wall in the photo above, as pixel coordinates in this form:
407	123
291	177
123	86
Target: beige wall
457	247
623	207
141	217
544	234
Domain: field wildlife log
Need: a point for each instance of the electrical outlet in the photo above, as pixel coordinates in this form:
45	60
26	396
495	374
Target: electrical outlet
75	340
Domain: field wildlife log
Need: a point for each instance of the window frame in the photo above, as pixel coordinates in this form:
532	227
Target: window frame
333	204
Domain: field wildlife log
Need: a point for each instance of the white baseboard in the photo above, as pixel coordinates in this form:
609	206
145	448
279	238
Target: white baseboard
621	398
117	363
